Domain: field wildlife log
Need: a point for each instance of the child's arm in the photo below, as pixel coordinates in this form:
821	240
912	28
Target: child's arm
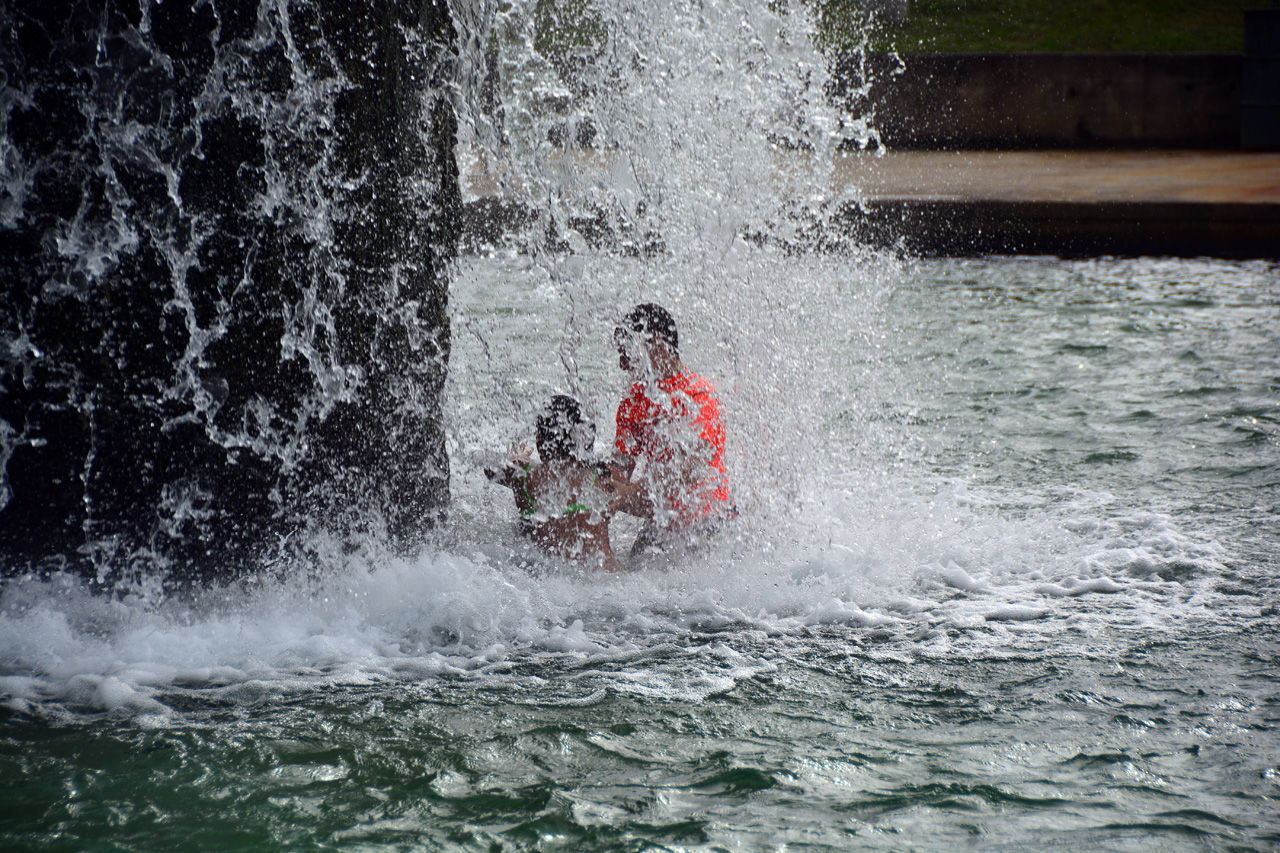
514	474
631	498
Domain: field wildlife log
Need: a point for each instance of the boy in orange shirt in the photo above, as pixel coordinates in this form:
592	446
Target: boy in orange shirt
670	437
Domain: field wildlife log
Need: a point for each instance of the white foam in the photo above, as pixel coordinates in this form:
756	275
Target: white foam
1016	613
922	576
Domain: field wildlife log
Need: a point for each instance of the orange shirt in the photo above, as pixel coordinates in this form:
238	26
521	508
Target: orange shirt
686	410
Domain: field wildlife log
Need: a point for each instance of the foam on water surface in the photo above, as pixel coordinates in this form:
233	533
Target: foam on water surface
930	577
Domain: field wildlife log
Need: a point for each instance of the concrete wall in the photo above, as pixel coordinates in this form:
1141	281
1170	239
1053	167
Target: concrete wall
1068	229
1049	100
1260	123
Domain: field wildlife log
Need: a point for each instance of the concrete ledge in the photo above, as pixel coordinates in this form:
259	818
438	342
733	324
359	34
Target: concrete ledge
1069	229
1222	204
927	227
1066	203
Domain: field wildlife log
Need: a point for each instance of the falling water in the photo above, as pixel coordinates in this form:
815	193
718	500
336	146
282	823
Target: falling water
224	302
684	158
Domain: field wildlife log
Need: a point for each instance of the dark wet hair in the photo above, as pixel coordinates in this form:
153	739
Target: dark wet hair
652	321
557	438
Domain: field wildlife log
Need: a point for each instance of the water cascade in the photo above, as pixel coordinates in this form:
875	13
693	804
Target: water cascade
225	234
685	158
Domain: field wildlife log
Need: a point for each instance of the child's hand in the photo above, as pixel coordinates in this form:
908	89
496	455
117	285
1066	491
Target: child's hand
631	498
521	455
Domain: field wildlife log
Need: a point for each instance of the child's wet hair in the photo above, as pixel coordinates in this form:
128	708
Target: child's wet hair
653	322
561	429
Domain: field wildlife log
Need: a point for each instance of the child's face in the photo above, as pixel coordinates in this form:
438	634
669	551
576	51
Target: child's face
583	437
631	350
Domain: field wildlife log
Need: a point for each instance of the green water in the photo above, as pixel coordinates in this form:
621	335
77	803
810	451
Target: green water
1065	637
834	744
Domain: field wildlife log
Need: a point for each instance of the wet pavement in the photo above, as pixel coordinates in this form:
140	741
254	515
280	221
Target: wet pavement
1185	203
1207	177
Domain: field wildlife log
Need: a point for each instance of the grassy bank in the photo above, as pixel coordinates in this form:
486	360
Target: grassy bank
1061	26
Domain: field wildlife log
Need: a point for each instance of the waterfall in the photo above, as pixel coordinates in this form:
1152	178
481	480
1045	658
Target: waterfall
226	229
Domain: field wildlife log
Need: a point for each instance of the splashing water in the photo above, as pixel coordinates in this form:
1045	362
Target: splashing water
205	340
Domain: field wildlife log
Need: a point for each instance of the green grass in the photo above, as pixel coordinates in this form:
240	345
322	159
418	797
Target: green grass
1057	26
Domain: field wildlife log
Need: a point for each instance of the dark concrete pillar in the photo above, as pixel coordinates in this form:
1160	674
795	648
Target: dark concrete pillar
225	237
